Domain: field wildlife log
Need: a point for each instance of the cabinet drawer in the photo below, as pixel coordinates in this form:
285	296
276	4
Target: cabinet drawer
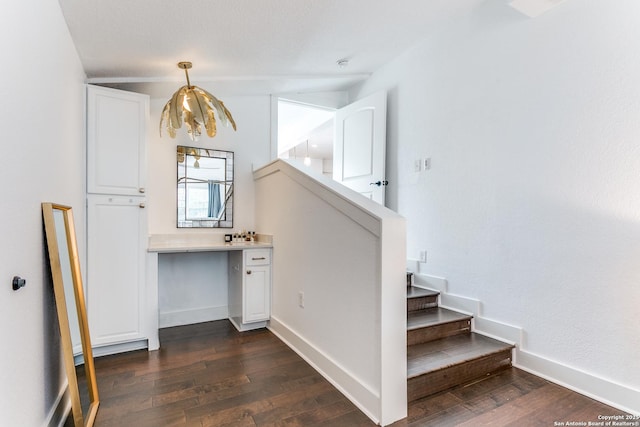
258	257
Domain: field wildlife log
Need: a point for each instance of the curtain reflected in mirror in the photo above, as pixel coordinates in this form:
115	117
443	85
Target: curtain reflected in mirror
72	315
205	188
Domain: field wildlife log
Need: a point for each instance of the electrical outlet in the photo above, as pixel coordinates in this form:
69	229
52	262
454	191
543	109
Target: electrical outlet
301	299
427	163
417	165
423	256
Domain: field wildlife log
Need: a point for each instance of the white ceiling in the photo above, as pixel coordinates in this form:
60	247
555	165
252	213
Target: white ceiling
247	46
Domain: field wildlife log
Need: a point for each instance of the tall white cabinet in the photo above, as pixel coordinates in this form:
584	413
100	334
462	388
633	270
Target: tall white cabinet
116	219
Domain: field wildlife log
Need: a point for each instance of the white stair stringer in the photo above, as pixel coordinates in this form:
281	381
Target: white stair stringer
482	325
608	392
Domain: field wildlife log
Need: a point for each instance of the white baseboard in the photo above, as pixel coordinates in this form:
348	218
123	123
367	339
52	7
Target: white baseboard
432	282
106	350
60	409
188	317
462	304
413	265
242	327
498	330
367	400
608	392
482	325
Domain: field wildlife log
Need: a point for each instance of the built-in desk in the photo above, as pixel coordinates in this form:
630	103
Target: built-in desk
249	277
168	243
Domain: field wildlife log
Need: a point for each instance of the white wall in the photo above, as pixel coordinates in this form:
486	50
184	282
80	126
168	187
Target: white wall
251	147
193	287
43	159
532	204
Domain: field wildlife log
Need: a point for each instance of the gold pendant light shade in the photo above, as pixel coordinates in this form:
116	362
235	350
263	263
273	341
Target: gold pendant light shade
195	107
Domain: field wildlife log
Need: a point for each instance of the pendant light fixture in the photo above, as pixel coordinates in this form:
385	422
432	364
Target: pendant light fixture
195	107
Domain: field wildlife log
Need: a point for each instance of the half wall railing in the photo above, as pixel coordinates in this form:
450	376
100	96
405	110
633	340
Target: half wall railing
339	295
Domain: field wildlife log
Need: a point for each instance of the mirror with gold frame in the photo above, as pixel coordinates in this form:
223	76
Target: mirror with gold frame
72	313
205	188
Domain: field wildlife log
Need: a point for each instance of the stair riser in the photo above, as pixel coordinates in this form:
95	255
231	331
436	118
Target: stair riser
435	332
436	381
415	304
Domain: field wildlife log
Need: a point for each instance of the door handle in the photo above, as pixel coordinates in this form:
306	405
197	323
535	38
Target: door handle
141	205
380	183
248	271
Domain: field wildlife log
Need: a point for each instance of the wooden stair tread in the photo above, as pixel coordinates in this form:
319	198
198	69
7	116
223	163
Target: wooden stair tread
450	351
442	351
433	317
415	292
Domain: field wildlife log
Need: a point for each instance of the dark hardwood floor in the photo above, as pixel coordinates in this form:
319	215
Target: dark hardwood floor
209	374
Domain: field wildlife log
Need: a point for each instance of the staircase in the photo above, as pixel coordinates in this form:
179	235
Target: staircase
442	351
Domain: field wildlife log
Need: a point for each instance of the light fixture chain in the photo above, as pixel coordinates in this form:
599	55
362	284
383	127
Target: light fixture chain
186	73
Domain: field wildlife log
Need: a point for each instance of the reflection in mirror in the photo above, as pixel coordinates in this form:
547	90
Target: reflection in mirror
67	280
72	314
205	188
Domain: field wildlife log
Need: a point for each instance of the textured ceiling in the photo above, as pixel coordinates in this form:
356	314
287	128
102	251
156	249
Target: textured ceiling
248	45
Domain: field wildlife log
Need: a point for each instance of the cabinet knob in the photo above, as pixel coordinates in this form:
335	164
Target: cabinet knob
141	189
248	271
141	205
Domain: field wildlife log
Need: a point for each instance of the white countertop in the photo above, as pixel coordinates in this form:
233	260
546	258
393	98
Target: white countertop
170	243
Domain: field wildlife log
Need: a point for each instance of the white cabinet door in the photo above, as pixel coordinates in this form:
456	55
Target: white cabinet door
257	293
117	240
116	135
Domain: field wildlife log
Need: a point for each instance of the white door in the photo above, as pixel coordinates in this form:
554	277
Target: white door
360	146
